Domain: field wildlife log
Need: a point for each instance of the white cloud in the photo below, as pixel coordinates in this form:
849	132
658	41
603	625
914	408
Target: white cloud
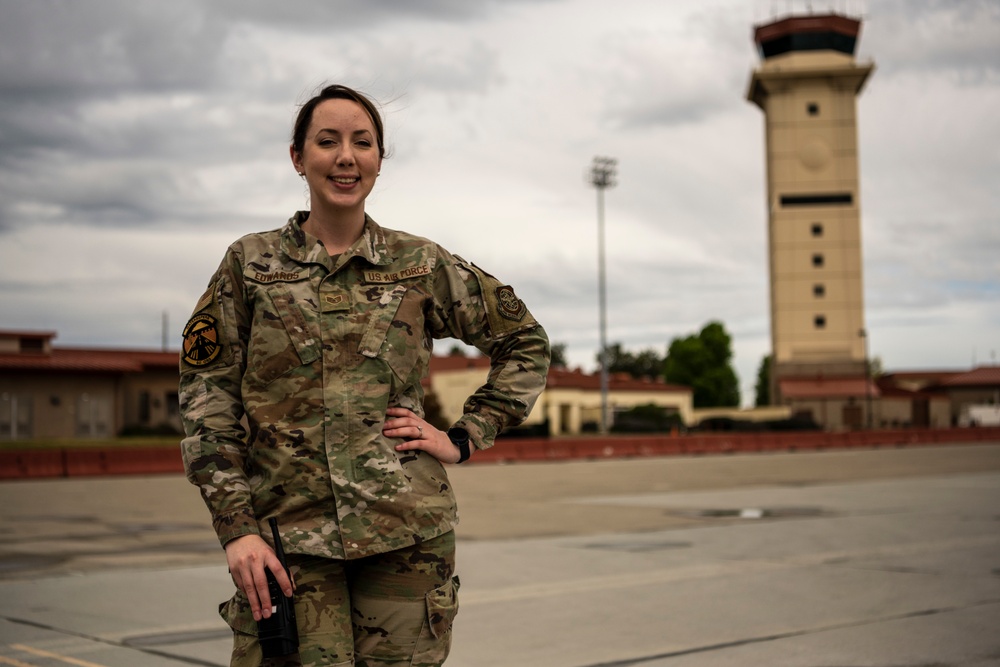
138	139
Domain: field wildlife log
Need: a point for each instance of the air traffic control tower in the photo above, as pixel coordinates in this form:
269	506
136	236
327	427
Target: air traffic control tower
806	85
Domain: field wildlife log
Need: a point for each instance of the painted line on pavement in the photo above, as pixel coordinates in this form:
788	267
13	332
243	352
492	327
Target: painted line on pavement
13	663
55	656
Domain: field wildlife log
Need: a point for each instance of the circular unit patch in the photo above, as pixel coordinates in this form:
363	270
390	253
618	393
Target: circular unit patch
201	340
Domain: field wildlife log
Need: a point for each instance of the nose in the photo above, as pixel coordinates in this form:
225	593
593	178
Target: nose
345	156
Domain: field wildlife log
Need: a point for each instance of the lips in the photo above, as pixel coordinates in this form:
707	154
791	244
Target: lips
345	180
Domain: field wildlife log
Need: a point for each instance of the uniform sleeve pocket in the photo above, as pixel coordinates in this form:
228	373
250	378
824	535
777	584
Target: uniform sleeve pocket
442	607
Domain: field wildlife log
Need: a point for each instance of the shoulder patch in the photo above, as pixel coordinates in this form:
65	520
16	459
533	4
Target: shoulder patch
505	312
201	344
508	305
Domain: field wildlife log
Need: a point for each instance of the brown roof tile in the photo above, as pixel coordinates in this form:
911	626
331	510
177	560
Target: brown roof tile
827	387
984	376
75	360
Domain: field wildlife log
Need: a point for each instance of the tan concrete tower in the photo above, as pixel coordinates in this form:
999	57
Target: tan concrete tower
806	85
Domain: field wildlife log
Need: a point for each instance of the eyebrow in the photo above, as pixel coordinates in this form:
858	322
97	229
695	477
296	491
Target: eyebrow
332	131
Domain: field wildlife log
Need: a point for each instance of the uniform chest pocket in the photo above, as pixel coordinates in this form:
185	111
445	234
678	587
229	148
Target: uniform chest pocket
283	337
395	331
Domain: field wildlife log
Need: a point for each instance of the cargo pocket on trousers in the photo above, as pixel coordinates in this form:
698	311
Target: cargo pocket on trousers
442	607
237	614
434	646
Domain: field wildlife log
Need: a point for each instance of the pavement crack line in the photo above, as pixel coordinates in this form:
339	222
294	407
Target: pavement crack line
712	569
628	662
109	642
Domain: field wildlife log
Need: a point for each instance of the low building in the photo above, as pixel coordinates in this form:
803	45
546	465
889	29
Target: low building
977	388
571	401
914	399
49	392
836	403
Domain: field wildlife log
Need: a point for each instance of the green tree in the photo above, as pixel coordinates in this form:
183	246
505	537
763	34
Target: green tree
645	364
559	355
702	362
763	387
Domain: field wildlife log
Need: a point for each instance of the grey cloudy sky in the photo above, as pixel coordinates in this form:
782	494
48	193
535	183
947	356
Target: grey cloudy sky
139	138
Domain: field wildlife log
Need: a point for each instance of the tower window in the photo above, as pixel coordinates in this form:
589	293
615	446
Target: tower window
819	321
819	199
819	290
818	260
813	109
817	229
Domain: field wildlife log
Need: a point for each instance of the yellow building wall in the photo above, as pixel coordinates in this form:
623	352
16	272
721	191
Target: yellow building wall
567	409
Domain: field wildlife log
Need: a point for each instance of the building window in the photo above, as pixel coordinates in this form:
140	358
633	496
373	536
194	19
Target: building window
819	321
93	416
32	345
817	229
813	109
173	404
15	416
818	260
818	199
144	412
819	290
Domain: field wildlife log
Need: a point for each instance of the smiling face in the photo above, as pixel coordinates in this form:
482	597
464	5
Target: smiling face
340	158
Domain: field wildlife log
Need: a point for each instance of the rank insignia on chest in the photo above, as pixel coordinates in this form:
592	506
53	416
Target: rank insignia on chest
334	302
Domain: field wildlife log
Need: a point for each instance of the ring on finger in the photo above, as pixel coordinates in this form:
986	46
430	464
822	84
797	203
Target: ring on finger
420	430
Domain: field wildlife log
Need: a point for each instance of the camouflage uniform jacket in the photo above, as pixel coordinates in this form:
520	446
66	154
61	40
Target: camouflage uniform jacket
289	363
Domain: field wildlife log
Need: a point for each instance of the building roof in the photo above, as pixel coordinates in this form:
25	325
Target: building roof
576	379
827	387
559	378
808	23
78	360
456	362
983	376
15	333
892	391
828	32
930	376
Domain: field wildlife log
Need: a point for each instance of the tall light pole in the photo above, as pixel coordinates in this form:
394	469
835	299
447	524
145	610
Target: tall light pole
868	377
602	176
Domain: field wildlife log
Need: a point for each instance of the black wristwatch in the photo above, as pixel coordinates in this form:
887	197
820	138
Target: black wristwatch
460	437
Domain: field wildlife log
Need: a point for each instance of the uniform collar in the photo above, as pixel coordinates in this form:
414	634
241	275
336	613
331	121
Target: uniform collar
305	248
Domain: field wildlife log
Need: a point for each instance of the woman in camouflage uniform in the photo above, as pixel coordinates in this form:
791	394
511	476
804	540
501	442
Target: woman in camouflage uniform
301	394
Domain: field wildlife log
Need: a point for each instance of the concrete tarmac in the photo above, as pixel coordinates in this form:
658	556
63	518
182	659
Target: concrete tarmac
860	558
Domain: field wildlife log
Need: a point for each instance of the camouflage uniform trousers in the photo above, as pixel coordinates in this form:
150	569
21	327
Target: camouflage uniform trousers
395	608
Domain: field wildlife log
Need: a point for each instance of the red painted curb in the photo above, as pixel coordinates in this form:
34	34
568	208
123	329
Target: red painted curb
83	461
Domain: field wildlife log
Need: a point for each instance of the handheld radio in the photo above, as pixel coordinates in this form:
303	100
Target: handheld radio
278	634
